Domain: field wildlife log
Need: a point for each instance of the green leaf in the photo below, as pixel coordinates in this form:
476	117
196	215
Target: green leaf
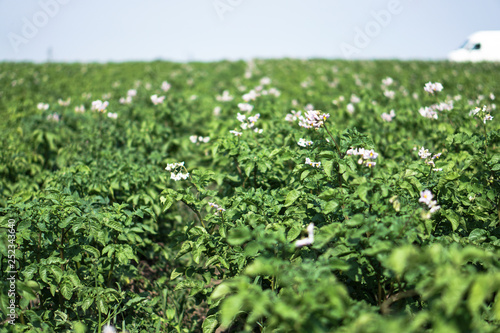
304	174
79	327
87	303
294	232
112	224
92	250
478	235
210	324
238	235
67	290
175	274
291	197
328	166
103	307
249	168
481	289
453	218
401	258
230	308
330	206
166	201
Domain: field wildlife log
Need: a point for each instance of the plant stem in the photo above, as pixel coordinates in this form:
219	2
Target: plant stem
196	212
111	269
429	175
485	137
384	307
334	141
338	151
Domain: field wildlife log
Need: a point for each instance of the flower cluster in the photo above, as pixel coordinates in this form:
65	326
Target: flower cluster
304	143
432	87
64	103
424	154
217	207
388	116
108	329
42	106
53	117
443	106
484	113
293	116
265	81
350	108
245	107
127	100
157	100
198	139
426	198
367	156
313	119
430	111
260	91
99	106
80	109
225	97
112	115
249	122
250	96
236	133
310	237
387	82
311	163
165	86
176	171
389	93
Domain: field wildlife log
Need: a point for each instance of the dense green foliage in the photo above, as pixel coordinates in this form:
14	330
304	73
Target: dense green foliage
105	235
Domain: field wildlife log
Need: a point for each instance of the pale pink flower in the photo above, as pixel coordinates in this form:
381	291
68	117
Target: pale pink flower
165	86
424	153
425	197
225	97
80	109
236	133
53	117
42	106
245	107
304	143
250	96
388	116
389	94
126	100
293	116
350	108
64	103
265	81
432	87
157	100
99	106
387	81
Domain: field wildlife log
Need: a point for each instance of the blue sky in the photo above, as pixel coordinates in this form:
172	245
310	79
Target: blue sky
206	30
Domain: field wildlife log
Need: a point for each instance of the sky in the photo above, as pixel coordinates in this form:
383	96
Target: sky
210	30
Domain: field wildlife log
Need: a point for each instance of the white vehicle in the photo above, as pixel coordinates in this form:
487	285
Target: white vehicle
480	46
